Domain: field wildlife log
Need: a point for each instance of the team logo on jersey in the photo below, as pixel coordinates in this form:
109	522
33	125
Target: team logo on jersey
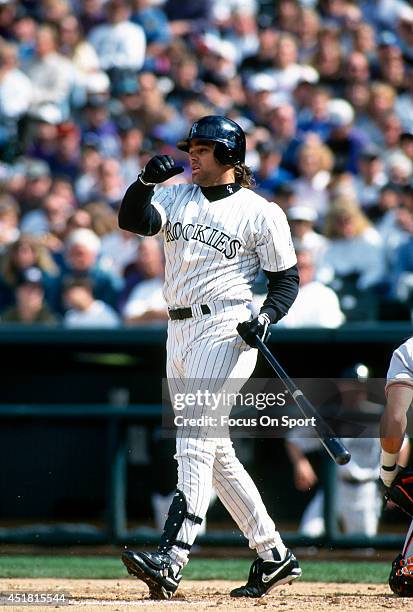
211	236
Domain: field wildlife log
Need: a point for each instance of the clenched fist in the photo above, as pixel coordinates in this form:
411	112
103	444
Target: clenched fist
159	169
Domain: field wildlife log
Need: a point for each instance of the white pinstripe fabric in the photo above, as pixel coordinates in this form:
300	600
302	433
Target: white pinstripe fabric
203	353
213	251
196	272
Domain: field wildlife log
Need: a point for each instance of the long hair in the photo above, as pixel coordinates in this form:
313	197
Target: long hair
243	176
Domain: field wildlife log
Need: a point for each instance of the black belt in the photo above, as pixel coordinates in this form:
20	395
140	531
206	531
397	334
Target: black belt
177	314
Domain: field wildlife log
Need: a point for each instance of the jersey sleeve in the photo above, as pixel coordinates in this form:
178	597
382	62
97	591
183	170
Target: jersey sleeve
162	200
274	245
401	366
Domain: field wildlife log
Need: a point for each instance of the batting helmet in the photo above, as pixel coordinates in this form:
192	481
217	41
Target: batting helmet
227	135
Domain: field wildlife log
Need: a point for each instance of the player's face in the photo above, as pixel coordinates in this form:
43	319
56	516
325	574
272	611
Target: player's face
206	170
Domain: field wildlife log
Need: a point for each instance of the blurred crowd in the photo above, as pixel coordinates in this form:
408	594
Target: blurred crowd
91	89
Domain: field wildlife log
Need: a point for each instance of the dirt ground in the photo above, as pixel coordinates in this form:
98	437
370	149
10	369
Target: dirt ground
130	594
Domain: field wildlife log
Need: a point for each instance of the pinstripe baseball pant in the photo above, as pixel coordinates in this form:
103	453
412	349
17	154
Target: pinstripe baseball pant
206	352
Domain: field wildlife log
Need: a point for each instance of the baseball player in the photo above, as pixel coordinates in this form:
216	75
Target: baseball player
399	392
357	495
217	234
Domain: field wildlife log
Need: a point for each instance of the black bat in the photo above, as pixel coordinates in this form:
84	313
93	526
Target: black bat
333	445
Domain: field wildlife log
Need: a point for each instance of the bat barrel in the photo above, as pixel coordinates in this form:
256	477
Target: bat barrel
333	445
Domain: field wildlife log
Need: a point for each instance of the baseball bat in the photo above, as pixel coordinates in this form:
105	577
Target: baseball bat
333	445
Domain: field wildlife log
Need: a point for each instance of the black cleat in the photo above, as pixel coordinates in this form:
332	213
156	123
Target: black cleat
265	575
401	576
155	569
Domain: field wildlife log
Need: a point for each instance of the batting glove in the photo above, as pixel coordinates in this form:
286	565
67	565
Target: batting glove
159	169
249	330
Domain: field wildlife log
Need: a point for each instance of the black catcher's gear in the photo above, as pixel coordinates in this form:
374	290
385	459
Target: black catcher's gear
401	576
401	491
227	135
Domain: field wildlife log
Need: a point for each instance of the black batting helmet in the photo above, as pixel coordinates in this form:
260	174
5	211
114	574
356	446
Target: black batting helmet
227	135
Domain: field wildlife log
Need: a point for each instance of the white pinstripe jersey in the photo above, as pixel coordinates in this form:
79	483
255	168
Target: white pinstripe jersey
401	364
213	250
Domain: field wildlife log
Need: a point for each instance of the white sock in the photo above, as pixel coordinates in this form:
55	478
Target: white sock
268	555
176	568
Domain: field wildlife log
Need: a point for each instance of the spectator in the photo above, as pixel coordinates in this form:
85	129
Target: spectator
308	27
9	221
315	162
91	14
156	28
30	306
269	174
381	103
36	184
370	179
345	142
403	105
8	13
83	310
185	75
145	303
261	61
119	43
355	248
316	305
243	32
87	178
131	143
54	11
27	252
317	119
328	60
187	18
73	45
15	87
51	218
283	125
98	129
109	186
302	220
82	250
50	73
24	36
66	159
286	71
396	224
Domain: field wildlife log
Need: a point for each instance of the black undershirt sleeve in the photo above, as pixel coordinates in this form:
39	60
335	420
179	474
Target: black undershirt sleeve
282	291
136	213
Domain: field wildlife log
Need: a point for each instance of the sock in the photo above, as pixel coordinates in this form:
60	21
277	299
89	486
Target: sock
274	554
176	568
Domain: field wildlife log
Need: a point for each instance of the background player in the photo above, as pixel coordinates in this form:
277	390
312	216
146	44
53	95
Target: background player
217	233
357	496
399	392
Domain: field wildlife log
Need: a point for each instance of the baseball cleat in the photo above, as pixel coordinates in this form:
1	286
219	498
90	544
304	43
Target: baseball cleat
155	569
401	576
266	575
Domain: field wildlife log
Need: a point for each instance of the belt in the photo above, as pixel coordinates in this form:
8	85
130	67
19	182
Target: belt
178	314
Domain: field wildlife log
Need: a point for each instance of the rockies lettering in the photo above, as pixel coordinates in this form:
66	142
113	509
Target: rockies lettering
210	236
213	250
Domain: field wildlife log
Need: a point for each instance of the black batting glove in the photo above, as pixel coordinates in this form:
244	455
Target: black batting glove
159	169
249	330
